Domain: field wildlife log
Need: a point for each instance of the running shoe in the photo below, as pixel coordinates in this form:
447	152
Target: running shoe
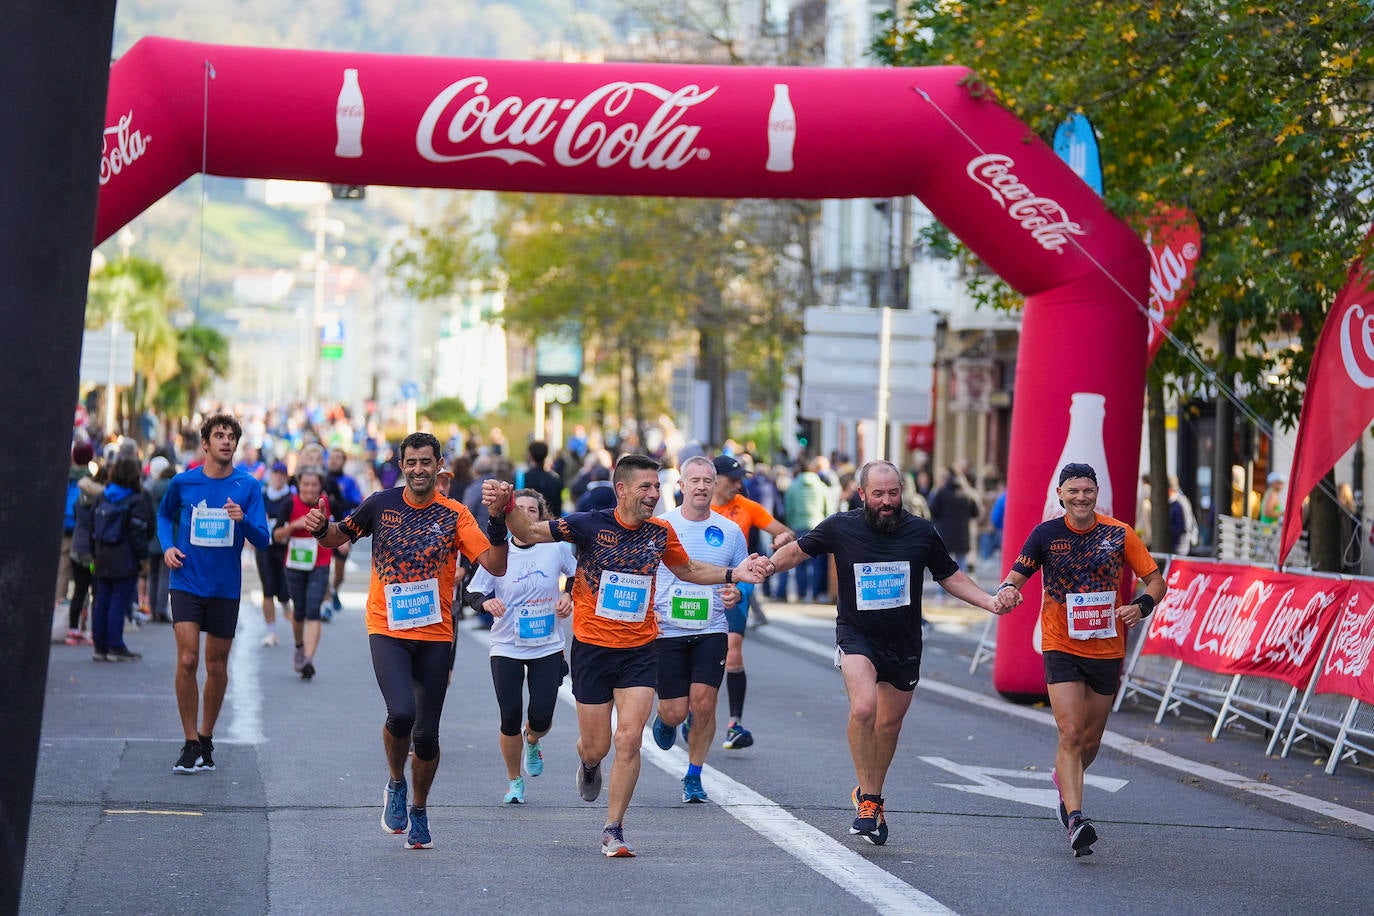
338	606
515	795
1063	812
394	806
73	638
687	728
613	845
98	656
534	758
124	655
308	669
269	640
868	811
205	763
419	830
692	792
186	763
665	735
1082	835
737	737
588	781
298	661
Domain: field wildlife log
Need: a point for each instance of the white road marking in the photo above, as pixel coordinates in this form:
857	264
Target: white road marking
244	693
985	781
1120	743
832	860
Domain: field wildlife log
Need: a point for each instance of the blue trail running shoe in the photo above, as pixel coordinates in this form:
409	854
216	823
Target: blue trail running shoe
692	792
687	728
394	806
665	735
419	830
515	795
534	758
737	737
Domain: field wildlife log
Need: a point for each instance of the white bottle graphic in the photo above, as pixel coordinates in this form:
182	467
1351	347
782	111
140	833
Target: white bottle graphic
1087	413
782	130
348	118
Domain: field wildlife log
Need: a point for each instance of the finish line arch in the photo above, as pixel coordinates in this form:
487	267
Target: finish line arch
176	108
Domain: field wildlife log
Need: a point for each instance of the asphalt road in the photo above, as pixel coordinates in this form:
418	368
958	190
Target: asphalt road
289	822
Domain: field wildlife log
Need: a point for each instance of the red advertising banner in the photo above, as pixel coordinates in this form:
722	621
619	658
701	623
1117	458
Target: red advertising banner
1245	620
1347	671
1174	238
1339	404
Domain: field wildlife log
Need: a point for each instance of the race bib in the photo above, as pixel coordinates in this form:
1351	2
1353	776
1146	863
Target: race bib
689	606
1090	614
211	527
301	553
878	586
535	626
624	596
413	604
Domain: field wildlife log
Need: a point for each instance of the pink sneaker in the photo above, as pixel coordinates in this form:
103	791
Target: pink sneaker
73	638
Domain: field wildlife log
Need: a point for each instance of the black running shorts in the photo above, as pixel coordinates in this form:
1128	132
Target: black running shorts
898	665
687	660
1102	675
599	671
217	616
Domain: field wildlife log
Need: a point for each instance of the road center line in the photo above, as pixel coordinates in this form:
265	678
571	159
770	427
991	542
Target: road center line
1116	741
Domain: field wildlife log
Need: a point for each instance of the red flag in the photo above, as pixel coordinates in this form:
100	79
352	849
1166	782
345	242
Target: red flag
1339	405
1175	241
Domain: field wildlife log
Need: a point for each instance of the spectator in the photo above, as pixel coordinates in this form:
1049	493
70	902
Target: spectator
953	508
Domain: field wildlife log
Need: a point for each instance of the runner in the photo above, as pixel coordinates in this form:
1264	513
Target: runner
526	642
1083	555
305	565
271	563
416	538
692	628
730	502
881	554
205	516
614	665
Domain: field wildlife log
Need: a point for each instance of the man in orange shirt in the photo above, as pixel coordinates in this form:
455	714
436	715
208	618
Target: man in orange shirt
1083	622
730	502
417	536
614	661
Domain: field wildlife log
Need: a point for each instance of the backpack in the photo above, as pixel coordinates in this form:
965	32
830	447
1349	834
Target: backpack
110	542
69	514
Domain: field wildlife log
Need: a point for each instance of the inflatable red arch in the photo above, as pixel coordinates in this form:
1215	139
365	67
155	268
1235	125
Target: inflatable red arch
176	108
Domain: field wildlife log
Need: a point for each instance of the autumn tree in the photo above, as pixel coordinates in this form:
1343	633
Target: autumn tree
1254	115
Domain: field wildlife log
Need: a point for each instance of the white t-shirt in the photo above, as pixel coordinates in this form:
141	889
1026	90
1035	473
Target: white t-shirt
715	540
529	590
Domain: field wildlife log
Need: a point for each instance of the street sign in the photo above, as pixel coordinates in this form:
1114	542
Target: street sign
332	340
842	356
97	365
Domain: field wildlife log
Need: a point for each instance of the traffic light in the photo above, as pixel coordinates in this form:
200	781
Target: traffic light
806	433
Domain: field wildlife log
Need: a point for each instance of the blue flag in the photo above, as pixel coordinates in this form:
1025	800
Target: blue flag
1075	142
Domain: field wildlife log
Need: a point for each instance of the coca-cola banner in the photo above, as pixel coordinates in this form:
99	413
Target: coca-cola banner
1346	670
694	131
1174	238
1339	404
1245	620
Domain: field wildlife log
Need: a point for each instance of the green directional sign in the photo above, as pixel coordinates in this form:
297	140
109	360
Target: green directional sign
333	351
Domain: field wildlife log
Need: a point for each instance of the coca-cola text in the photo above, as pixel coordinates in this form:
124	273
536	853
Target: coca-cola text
1043	217
128	146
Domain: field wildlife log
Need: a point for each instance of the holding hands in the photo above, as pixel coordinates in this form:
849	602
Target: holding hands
496	495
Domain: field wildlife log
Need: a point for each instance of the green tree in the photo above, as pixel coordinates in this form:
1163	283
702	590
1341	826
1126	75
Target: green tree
1255	115
138	294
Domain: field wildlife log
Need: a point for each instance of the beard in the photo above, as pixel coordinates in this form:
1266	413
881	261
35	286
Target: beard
885	523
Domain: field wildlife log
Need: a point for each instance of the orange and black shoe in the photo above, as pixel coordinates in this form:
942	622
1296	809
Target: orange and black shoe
869	821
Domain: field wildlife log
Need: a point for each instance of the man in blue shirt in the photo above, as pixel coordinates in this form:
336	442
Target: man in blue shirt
203	521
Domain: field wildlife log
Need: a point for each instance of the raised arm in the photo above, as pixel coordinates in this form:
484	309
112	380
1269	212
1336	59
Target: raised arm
497	495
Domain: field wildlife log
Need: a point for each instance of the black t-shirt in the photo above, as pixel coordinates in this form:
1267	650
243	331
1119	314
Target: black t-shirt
890	568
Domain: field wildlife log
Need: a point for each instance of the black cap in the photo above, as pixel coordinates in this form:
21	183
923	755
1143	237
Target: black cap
728	466
1077	469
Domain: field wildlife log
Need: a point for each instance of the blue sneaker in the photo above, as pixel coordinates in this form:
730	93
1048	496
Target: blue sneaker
419	830
737	737
665	735
687	728
515	795
692	792
534	758
394	806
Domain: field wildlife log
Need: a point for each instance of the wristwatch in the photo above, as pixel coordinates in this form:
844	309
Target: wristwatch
729	576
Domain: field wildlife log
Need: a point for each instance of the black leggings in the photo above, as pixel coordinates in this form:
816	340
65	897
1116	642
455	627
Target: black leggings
508	675
83	581
413	677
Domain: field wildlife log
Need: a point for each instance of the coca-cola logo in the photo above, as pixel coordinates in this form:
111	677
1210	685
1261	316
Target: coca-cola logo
1230	620
1173	619
1290	635
1174	239
1357	344
595	128
119	147
1354	640
1042	217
